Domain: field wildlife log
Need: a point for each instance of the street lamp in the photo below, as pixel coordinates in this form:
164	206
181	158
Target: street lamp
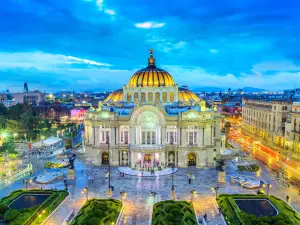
193	194
109	189
268	188
26	183
123	195
86	191
215	189
173	193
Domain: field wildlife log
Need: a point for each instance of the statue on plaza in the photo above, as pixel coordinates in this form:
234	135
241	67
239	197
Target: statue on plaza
220	165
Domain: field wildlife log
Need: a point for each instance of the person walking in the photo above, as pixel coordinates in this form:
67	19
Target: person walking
287	198
190	180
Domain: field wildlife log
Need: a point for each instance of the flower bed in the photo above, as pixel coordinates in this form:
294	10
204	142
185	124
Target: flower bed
50	165
173	212
98	212
34	215
234	216
249	168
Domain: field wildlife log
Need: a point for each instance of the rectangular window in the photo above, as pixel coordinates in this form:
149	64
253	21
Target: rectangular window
102	139
122	139
143	138
195	137
107	137
126	137
190	138
148	137
168	137
153	138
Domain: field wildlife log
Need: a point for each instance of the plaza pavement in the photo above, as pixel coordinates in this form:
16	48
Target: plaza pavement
138	204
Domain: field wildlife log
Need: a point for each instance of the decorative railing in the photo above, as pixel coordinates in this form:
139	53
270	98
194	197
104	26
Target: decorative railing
16	176
146	147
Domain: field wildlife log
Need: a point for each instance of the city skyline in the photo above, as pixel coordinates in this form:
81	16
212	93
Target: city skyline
98	45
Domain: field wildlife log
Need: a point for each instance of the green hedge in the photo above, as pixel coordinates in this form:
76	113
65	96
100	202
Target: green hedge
233	215
50	165
173	212
31	215
249	168
98	212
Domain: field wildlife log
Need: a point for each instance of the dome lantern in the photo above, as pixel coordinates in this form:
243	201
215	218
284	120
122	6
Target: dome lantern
151	59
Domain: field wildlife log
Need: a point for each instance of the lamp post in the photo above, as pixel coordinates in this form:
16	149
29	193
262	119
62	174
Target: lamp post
123	195
109	189
193	193
86	191
268	188
173	193
26	183
215	189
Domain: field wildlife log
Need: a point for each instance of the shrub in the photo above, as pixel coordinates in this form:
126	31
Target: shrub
3	208
11	214
93	221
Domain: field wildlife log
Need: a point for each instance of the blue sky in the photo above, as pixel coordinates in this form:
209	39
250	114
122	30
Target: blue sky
99	44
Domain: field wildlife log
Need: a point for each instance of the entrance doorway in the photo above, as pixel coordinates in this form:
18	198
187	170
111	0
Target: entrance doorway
105	158
191	159
147	158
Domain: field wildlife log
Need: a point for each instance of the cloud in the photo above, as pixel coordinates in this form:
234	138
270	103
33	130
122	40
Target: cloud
43	60
148	25
213	51
100	4
110	12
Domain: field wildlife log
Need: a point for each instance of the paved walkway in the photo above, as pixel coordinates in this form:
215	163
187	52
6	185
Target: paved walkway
128	171
139	202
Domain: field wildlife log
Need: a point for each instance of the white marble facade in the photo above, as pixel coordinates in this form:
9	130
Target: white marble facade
149	137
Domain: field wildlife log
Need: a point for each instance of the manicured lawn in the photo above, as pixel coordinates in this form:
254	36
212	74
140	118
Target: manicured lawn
33	215
233	215
173	213
98	212
50	165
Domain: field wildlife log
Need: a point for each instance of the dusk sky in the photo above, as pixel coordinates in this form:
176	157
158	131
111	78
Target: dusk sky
99	44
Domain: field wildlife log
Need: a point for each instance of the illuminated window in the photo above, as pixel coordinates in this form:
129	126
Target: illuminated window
172	97
157	96
165	97
129	97
150	96
136	96
143	96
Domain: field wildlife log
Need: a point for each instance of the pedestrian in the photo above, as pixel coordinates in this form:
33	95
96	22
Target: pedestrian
287	198
190	180
205	217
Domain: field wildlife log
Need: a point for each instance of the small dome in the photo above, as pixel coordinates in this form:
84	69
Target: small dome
116	96
151	76
185	95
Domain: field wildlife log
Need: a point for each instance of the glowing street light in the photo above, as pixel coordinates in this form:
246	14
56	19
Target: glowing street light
215	189
268	188
86	191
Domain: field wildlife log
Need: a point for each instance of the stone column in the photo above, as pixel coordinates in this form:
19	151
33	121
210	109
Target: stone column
132	159
117	135
131	136
163	135
93	135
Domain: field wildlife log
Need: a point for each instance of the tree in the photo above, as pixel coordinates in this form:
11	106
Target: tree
227	127
3	121
3	110
29	123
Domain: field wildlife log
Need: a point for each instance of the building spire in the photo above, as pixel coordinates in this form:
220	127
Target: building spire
151	59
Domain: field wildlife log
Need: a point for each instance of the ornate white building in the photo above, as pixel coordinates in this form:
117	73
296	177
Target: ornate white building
152	122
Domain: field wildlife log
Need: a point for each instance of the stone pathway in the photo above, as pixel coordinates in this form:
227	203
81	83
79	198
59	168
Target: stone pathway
128	171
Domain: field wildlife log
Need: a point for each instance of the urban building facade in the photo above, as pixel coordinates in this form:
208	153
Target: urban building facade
3	97
292	133
266	119
152	122
31	97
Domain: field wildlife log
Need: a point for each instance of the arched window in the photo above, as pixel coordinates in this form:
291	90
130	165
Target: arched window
172	99
128	97
157	96
136	96
150	96
165	97
143	96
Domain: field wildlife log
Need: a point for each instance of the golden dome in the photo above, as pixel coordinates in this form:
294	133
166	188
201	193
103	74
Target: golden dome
151	76
116	96
185	95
